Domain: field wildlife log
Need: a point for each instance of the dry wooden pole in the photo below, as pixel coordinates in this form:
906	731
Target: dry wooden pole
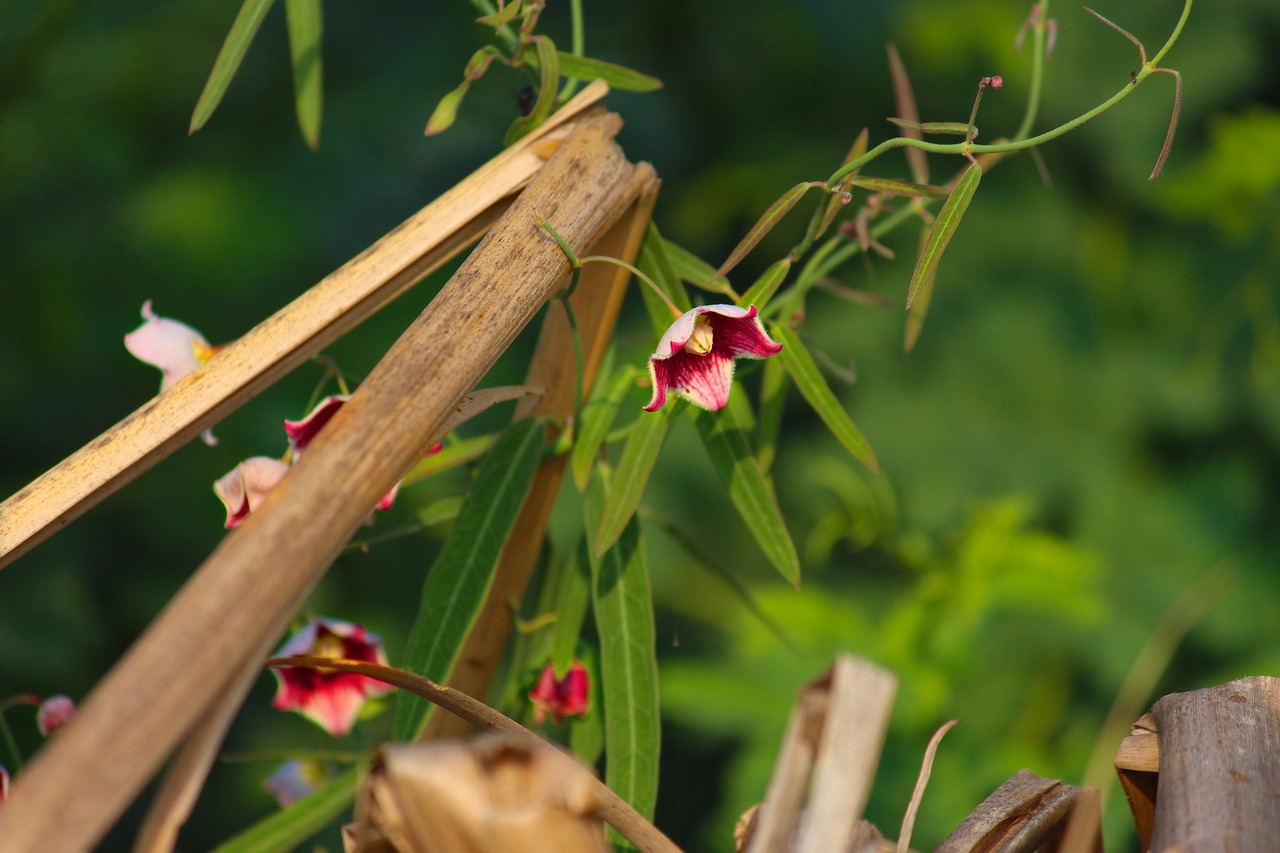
595	305
277	345
1025	814
254	581
1219	765
1138	766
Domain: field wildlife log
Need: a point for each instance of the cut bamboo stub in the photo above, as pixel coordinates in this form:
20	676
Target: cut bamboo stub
280	343
1025	814
246	591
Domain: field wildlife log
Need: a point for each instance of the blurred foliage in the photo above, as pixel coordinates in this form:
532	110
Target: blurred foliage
1090	420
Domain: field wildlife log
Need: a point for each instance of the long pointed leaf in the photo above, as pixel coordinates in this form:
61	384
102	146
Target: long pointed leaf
656	262
730	450
766	285
306	23
919	309
773	402
895	187
597	417
544	49
627	488
459	580
289	827
693	269
771	217
944	228
623	608
618	77
229	58
800	364
446	111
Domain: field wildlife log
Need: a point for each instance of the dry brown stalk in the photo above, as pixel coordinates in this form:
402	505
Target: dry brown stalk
276	346
246	591
1137	763
1025	814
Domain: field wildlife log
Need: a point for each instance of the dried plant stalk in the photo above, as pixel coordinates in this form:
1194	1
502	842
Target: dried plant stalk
1023	815
249	587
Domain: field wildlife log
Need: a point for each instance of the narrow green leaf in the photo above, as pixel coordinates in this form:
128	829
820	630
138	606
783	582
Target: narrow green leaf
725	438
920	308
766	285
946	128
654	262
544	50
446	111
229	58
451	456
617	76
306	23
896	187
944	227
294	824
773	402
573	593
771	217
905	100
638	457
586	733
597	418
838	198
693	269
623	607
459	580
502	17
814	388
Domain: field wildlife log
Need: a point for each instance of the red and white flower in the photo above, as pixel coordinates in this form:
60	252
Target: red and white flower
174	347
561	697
695	357
332	700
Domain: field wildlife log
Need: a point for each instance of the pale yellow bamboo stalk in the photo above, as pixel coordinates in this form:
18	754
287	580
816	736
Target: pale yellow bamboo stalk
279	344
252	583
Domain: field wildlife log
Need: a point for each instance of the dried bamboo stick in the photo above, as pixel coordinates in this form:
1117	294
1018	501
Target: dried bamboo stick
253	582
276	346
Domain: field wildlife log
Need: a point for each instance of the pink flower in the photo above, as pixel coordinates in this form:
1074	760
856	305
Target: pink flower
242	489
175	348
561	698
55	712
330	699
695	357
4	783
295	779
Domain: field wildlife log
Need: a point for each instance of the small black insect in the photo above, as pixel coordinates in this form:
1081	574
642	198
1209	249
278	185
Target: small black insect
524	100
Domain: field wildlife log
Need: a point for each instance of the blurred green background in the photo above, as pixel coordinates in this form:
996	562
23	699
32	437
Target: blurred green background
1089	424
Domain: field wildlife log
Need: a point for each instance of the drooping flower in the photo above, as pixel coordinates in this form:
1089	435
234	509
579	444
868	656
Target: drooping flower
55	712
242	488
695	357
332	700
174	347
295	779
562	697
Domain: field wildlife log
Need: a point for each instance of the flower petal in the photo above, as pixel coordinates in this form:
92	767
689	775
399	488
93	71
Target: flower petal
242	489
743	337
55	712
330	699
301	432
706	379
174	347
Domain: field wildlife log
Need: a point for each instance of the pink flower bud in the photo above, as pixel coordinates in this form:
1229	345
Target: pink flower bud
561	698
55	712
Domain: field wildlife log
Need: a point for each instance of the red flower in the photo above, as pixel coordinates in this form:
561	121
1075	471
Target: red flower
55	712
563	697
695	357
330	699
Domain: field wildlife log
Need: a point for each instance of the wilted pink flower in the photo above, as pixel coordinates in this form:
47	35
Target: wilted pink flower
695	356
242	489
560	697
55	712
295	779
175	348
330	699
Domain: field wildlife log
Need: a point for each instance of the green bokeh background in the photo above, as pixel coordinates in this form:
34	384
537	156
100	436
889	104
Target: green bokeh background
1090	422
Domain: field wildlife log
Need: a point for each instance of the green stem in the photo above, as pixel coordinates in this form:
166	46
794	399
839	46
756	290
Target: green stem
10	744
1037	73
579	46
508	36
578	364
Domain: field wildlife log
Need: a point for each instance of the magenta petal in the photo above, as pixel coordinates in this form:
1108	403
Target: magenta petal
706	379
242	489
4	783
744	337
563	697
55	712
301	432
332	700
703	380
175	348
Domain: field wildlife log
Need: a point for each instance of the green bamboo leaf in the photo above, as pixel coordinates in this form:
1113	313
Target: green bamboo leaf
766	285
544	52
451	456
804	371
771	217
229	58
586	733
944	227
693	269
773	402
725	438
597	418
836	200
446	111
294	824
944	128
502	17
617	76
573	594
917	312
896	187
655	262
306	23
459	580
638	457
623	607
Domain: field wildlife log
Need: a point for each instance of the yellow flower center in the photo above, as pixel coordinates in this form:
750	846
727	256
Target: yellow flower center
700	341
328	646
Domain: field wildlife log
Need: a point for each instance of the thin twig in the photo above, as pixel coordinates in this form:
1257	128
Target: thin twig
1173	120
926	768
1142	51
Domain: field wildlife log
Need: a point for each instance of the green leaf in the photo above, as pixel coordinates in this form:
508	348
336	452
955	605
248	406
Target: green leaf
294	824
895	187
771	217
727	444
920	308
693	269
229	58
945	128
623	609
618	77
573	593
800	364
773	402
655	262
586	733
450	456
306	23
502	17
944	227
638	457
597	418
459	580
766	285
446	112
544	51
